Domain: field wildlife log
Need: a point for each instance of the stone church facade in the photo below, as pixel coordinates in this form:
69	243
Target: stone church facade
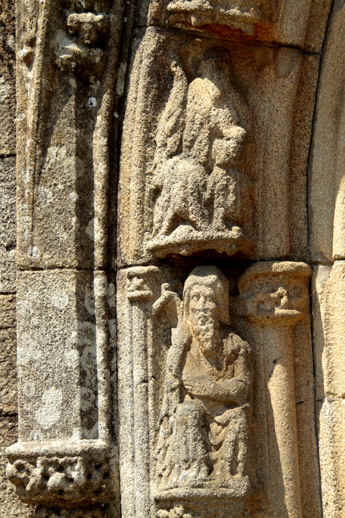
172	261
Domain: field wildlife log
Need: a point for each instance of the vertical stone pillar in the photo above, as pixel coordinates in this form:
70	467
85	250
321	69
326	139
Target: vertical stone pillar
137	289
66	75
275	298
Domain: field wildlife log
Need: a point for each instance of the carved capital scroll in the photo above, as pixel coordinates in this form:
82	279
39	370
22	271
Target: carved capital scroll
275	294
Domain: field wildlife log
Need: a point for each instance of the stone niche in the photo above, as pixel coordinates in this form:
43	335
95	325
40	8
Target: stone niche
207	377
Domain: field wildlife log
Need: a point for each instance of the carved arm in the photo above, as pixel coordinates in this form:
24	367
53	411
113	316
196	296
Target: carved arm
233	391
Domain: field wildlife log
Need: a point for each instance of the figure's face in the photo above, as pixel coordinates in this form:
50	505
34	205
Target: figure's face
203	317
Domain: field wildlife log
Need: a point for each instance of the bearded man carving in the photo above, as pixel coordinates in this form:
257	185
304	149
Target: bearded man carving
203	435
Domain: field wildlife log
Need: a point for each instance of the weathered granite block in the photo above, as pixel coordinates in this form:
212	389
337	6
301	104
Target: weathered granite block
7	78
329	329
327	186
8	375
56	356
7	223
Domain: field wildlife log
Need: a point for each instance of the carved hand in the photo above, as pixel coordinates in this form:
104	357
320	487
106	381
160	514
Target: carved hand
201	386
233	391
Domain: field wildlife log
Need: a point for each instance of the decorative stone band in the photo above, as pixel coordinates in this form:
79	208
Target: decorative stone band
274	292
60	473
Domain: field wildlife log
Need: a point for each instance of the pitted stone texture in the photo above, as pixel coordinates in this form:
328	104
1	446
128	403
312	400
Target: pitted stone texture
300	24
56	355
7	222
163	172
283	399
7	78
7	311
63	230
329	329
89	512
327	184
329	354
332	460
61	480
65	111
10	505
8	374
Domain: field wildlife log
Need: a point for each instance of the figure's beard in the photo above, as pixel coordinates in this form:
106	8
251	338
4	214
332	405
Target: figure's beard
205	331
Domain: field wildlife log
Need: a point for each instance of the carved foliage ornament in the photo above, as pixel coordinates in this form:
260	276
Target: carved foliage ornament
61	479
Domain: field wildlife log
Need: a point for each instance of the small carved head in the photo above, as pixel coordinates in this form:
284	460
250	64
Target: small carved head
206	291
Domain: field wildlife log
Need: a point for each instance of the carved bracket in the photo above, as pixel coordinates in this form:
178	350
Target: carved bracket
60	475
80	48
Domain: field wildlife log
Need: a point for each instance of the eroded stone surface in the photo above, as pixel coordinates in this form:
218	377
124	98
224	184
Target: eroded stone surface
56	356
284	22
328	312
327	187
214	158
328	308
195	177
8	224
7	78
272	315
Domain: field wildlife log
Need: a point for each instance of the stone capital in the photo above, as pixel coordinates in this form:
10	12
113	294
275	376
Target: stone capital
275	293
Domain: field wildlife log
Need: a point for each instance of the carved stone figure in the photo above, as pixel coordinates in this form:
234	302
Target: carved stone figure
200	192
203	429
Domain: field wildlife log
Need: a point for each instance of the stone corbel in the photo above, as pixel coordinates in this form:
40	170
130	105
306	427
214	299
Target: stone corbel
60	474
274	298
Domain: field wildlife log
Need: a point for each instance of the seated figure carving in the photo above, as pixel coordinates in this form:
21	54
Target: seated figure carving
200	194
203	428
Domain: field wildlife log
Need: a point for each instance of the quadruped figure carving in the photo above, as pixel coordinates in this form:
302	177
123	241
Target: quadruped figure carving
203	426
200	190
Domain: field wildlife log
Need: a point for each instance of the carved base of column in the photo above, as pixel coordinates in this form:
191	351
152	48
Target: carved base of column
62	473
